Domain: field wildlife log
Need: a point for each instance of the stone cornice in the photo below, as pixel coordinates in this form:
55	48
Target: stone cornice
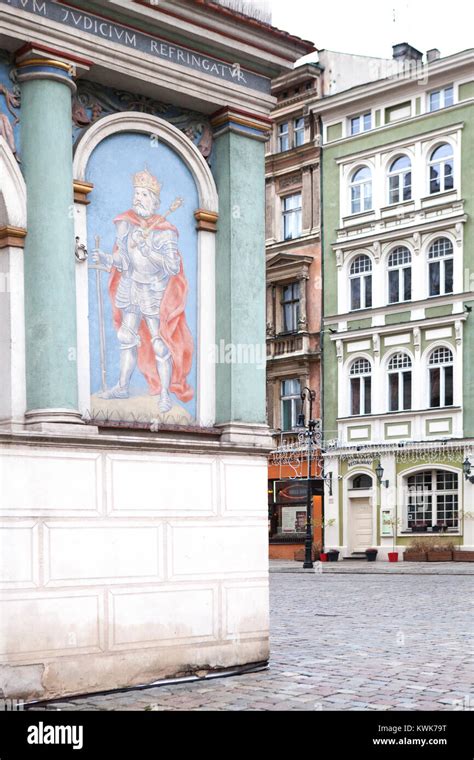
12	237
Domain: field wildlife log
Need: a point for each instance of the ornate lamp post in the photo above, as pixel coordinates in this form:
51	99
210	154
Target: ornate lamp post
310	428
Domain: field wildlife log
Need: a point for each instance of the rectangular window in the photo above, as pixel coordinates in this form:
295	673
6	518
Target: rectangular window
291	307
435	282
407	390
393	392
448	386
298	131
400	111
368	291
435	387
283	137
435	185
361	123
290	403
355	395
407	284
441	98
367	395
292	216
393	286
355	293
448	275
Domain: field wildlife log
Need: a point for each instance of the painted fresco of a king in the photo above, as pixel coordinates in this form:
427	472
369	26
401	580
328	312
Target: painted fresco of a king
148	290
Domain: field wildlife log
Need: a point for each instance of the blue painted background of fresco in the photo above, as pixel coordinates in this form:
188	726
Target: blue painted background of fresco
111	168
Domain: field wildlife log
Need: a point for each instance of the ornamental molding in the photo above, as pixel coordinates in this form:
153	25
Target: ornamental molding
161	130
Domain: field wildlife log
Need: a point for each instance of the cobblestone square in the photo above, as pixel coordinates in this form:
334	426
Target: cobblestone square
342	641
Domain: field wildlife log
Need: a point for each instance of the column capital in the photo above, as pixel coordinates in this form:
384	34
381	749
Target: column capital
40	62
246	123
206	220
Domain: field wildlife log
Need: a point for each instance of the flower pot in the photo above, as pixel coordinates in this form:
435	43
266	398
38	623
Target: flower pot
323	557
441	556
463	556
333	556
371	555
414	557
393	556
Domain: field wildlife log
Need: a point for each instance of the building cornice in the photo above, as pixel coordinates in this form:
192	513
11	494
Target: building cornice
398	327
392	85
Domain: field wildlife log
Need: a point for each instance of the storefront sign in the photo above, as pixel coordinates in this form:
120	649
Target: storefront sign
133	39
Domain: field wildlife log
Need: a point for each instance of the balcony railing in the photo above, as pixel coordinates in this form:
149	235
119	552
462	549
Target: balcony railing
287	344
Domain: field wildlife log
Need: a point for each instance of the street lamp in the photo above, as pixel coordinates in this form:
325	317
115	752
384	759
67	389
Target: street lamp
466	465
307	393
379	473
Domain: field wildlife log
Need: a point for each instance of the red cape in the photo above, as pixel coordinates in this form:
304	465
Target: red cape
174	329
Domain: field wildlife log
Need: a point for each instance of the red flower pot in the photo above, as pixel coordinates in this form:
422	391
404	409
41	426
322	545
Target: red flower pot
323	557
393	556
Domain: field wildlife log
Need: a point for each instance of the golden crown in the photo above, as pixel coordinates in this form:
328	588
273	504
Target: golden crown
145	179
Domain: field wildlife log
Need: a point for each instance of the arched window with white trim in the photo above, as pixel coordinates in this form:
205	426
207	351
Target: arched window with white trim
399	180
360	276
361	387
441	386
432	499
361	190
399	275
441	169
399	382
441	267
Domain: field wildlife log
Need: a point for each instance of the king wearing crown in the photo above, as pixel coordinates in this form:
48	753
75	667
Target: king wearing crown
148	289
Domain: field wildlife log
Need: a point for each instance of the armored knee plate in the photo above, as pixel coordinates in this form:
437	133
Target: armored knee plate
127	337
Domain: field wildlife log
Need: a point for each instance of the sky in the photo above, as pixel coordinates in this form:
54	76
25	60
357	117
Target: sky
371	27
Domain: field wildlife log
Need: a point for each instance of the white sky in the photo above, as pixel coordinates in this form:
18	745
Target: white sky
371	27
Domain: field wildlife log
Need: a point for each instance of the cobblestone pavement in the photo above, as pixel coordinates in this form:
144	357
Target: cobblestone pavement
342	642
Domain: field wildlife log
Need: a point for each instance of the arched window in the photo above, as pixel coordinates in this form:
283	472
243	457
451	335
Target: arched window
361	190
440	367
361	283
441	267
361	387
432	500
361	481
399	180
399	383
441	166
399	275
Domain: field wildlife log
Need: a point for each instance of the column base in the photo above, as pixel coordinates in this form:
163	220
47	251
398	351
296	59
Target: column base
58	421
254	435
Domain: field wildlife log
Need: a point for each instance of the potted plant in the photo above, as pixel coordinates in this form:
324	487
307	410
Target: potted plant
299	555
459	554
333	555
420	526
394	522
371	554
417	549
441	552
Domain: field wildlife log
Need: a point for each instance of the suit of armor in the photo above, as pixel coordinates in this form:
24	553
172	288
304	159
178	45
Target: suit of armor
146	258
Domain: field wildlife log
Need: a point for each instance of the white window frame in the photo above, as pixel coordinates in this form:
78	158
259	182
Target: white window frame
295	402
399	175
400	268
434	492
361	377
361	186
406	366
298	131
441	163
362	276
281	135
442	267
360	120
286	213
442	98
442	377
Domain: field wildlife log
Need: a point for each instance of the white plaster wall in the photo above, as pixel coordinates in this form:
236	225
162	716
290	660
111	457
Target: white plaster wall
120	567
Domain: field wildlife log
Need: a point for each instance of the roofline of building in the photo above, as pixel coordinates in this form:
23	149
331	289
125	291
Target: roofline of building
374	87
